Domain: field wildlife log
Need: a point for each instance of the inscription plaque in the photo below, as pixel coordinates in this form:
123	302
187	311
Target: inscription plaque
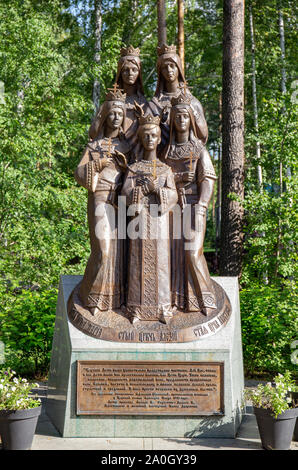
147	387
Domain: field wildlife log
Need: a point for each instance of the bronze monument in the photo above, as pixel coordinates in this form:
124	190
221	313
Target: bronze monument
147	169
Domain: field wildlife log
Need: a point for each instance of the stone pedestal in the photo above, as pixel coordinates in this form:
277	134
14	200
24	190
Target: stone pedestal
71	345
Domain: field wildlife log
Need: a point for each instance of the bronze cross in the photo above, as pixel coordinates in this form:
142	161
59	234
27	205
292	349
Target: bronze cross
107	148
184	86
115	88
109	153
191	155
154	168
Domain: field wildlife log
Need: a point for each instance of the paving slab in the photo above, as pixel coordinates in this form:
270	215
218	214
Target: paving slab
48	438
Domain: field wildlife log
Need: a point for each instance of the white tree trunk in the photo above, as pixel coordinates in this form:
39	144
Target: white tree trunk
283	79
283	54
255	104
98	27
181	31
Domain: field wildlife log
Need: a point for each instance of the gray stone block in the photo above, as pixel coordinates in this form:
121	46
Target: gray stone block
70	345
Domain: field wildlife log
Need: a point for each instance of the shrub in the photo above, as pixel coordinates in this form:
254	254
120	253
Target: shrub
269	326
26	329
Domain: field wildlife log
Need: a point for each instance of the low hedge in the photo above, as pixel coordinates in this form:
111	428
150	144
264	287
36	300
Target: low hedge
269	328
27	319
268	315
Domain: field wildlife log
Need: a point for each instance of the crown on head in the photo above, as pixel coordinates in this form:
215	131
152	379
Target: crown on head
165	49
149	119
181	99
115	94
130	50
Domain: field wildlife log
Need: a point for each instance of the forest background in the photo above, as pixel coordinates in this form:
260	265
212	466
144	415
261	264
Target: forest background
52	55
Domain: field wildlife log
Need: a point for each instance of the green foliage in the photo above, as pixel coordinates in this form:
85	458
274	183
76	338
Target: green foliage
269	326
47	69
26	328
44	118
271	235
271	221
273	397
203	55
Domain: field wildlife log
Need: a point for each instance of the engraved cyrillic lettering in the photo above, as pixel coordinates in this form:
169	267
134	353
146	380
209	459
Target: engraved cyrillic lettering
200	331
126	335
162	388
147	337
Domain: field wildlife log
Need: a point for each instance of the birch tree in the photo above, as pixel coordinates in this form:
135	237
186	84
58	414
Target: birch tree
97	32
254	95
181	31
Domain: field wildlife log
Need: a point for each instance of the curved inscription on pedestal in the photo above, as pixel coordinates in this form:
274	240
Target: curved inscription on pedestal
182	327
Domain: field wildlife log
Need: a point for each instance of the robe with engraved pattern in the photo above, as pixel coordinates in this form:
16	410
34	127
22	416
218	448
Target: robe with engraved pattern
149	274
192	287
102	284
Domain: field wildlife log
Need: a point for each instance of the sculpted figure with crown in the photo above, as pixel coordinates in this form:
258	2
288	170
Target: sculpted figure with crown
194	176
170	83
101	171
129	79
149	184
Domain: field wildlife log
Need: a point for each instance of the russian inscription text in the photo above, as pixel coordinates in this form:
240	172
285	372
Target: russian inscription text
178	388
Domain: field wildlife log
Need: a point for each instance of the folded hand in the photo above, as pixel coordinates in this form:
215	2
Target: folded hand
188	176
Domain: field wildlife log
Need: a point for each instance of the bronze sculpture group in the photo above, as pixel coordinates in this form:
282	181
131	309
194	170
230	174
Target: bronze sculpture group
153	154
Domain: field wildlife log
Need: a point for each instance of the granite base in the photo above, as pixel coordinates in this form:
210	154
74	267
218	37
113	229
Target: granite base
71	345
